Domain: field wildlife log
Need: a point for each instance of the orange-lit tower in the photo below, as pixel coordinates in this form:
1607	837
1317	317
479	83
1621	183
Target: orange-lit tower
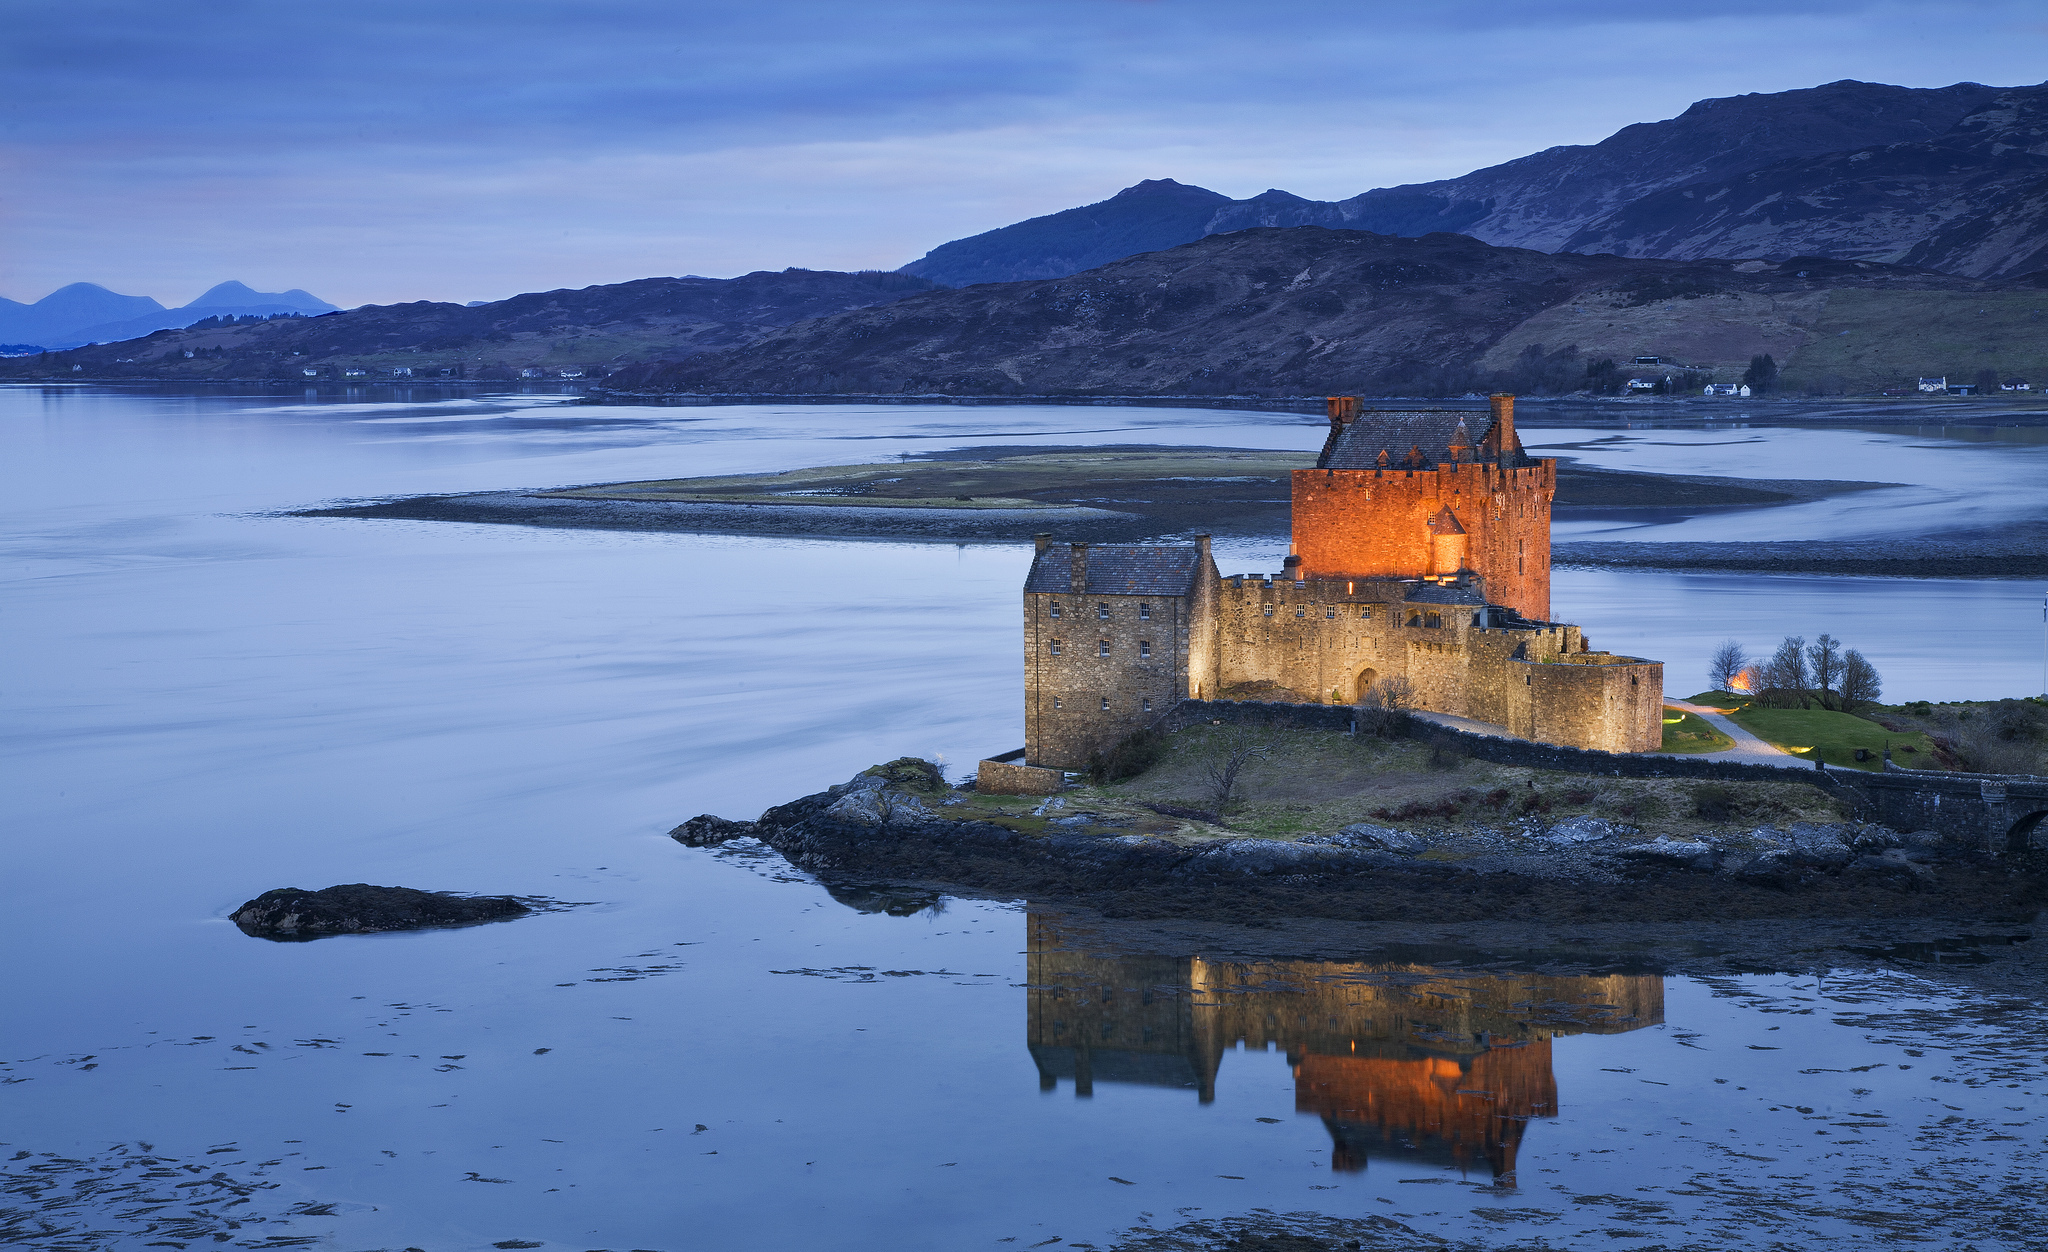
1402	494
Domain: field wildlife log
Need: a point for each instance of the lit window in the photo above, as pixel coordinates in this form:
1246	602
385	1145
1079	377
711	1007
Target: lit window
1105	704
1144	612
1102	612
1055	609
1102	647
1144	649
1054	647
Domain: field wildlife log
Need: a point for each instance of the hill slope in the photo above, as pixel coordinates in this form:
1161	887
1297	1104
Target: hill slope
552	330
1551	200
1308	311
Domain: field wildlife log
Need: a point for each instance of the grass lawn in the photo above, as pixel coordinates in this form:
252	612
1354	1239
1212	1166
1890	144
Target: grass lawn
1689	732
1833	737
1721	701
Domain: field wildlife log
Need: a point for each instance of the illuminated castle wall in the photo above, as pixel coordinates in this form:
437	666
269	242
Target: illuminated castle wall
1422	563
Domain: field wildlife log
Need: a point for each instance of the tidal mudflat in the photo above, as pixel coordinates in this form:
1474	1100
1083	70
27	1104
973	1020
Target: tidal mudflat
207	700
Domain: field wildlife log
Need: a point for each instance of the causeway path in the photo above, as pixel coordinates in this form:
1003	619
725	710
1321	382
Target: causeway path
1748	749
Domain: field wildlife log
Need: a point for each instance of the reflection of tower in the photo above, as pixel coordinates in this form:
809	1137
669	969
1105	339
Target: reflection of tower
1405	1061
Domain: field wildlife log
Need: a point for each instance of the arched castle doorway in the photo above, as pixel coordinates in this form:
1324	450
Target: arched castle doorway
2029	832
1366	678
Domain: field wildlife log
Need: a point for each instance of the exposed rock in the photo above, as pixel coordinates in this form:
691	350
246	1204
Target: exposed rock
1690	853
359	908
1374	838
1586	830
708	831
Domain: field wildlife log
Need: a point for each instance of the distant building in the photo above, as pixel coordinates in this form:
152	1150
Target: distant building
310	373
355	373
1642	384
1727	389
403	371
1648	360
533	371
572	373
2015	384
1934	384
1963	389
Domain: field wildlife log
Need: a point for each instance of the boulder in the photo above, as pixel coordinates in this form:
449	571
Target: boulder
708	831
359	908
1377	839
1690	853
1586	830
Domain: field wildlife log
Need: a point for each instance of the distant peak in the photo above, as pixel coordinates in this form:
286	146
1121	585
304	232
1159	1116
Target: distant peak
1273	195
1167	187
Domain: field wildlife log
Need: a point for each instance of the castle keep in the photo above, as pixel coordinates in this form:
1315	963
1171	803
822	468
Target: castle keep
1421	573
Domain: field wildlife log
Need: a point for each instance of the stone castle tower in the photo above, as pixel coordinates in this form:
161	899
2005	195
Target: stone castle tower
1421	569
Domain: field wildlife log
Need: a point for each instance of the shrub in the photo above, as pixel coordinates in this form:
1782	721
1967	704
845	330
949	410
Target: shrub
1713	802
1129	757
912	773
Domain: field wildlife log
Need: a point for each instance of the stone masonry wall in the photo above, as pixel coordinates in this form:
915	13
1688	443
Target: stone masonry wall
1374	524
1121	662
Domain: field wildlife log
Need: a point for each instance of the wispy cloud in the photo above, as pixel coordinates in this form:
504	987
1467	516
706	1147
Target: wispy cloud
379	151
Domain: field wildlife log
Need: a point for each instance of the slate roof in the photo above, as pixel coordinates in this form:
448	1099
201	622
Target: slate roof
1120	569
1436	593
1400	433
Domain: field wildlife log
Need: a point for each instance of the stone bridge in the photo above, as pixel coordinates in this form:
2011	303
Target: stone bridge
1996	812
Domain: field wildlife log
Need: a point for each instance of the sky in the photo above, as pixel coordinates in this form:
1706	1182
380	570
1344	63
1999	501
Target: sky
375	151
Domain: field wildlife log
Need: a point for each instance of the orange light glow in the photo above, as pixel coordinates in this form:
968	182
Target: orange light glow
1744	682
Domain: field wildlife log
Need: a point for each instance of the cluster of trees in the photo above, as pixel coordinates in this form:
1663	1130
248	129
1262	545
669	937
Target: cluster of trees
1762	374
245	319
1799	674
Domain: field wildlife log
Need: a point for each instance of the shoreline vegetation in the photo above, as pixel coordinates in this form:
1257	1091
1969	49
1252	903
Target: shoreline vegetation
1131	492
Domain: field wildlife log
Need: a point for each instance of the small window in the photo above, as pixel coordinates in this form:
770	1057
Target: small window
1144	612
1365	614
1055	610
1105	704
1331	611
1301	612
1144	706
1053	647
1144	649
1102	612
1055	703
1433	621
1102	647
1269	610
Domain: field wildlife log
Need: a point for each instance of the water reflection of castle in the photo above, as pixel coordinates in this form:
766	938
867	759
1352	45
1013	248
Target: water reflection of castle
1409	1062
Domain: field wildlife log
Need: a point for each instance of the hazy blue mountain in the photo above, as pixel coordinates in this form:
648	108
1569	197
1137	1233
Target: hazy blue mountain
66	309
87	318
1540	201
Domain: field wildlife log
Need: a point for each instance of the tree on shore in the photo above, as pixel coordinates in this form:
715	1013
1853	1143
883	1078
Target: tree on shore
1785	676
1824	667
1762	374
1726	665
1860	684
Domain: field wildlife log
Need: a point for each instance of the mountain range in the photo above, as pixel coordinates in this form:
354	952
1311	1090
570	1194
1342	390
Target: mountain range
1952	178
85	313
581	330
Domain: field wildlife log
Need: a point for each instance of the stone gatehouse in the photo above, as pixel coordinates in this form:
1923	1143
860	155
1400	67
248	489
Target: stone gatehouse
1421	571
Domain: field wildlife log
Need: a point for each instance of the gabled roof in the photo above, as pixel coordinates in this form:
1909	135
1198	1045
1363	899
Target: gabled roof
1413	439
1435	593
1120	569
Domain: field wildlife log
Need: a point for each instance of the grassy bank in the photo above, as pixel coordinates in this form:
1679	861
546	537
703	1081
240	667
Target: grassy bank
1689	732
1832	737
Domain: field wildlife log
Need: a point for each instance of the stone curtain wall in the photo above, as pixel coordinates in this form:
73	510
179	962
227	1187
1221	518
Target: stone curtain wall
1996	813
1375	524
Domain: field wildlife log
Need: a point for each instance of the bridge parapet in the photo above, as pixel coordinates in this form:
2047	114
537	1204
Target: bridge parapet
1996	812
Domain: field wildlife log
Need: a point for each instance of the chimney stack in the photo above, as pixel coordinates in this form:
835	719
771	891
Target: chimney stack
1043	539
1293	567
1343	410
1504	425
1202	542
1080	569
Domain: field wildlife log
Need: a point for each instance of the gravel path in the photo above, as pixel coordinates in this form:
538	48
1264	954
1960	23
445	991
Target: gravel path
1748	749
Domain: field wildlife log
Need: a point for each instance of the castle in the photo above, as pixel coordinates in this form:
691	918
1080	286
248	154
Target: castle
1420	575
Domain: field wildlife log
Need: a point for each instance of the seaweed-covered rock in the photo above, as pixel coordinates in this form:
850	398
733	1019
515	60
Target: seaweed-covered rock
707	830
359	908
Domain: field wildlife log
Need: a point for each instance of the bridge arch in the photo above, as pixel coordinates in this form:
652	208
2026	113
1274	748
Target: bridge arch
2026	830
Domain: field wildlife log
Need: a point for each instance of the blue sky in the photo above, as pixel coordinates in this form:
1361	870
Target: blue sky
377	151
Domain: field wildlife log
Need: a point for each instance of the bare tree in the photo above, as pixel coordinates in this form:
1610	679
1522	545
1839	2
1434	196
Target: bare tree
1241	748
1860	683
1824	666
1382	707
1785	672
1726	665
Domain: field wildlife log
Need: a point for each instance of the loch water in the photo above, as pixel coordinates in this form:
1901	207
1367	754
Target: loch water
204	699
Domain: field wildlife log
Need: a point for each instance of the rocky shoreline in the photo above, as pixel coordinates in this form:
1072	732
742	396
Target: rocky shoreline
1579	869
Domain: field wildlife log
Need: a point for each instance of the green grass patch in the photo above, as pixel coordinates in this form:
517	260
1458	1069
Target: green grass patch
1833	737
1689	732
1724	701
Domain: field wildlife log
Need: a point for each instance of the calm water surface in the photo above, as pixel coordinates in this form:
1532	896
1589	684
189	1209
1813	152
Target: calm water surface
203	702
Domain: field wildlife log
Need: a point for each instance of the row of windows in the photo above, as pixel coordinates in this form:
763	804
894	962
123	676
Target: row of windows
1329	611
1144	704
1102	648
1102	611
